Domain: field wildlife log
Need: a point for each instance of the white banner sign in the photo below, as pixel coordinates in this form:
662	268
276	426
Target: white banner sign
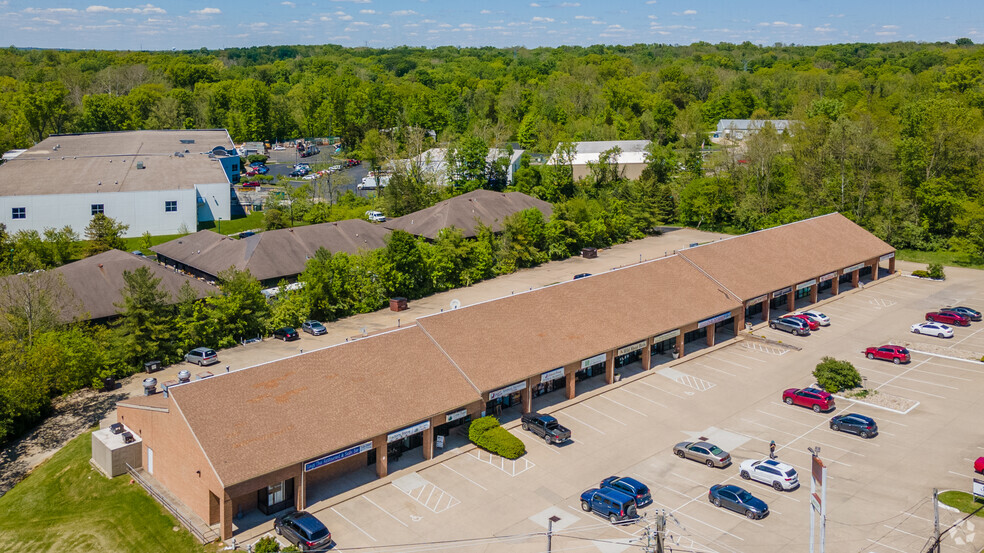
782	292
592	361
806	284
853	267
415	429
507	390
828	276
759	299
666	336
460	414
887	256
712	320
552	375
632	347
978	488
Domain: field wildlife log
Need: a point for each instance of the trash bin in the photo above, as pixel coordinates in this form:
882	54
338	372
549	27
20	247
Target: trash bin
151	366
398	304
589	253
109	384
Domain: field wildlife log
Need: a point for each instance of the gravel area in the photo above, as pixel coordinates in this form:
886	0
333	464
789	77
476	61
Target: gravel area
889	401
941	348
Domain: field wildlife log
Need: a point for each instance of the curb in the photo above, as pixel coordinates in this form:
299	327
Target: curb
855	400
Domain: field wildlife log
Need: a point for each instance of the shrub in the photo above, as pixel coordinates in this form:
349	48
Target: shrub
920	273
833	375
256	157
266	544
488	435
935	270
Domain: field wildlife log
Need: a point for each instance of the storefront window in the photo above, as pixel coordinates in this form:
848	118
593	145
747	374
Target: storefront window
753	309
276	497
628	358
593	370
778	302
664	346
804	292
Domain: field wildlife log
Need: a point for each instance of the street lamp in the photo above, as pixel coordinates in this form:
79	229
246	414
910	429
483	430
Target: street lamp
219	224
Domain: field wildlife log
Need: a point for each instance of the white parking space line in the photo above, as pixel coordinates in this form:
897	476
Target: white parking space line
957	473
644	383
888	546
812	439
540	443
913	390
932	361
687	479
728	512
622	405
894	529
970	335
615	526
630	392
923	371
677	512
787	419
385	511
463	476
586	406
714	369
354	525
734	363
584	423
736	354
914	379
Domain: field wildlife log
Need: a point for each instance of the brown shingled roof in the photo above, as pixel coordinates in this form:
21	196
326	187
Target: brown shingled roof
503	341
256	420
96	283
466	211
274	253
791	253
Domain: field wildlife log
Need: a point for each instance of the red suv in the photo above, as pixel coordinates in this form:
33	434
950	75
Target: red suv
815	399
895	354
948	317
814	325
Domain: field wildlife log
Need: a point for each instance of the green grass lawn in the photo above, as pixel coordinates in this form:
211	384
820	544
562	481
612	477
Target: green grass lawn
65	505
963	501
952	259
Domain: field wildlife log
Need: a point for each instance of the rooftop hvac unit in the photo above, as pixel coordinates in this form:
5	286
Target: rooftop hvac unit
140	165
150	386
128	438
116	428
184	376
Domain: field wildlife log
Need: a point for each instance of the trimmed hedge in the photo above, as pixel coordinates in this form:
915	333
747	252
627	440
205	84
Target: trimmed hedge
487	434
920	273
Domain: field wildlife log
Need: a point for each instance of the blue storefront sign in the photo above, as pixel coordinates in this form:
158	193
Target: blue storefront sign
337	456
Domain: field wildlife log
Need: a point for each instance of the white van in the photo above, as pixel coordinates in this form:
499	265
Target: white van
376	216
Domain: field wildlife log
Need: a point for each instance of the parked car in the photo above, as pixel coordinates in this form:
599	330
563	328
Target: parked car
815	399
630	487
966	312
611	504
738	500
855	424
376	216
252	183
314	328
202	356
286	334
258	164
948	317
703	452
303	530
546	427
581	275
817	316
769	471
895	354
792	325
814	325
979	465
296	173
939	330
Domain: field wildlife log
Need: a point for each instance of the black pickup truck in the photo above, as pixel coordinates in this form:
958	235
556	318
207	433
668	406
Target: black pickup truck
546	427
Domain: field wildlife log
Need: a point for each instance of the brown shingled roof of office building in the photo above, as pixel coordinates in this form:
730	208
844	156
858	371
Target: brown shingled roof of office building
499	342
275	415
792	253
466	211
274	253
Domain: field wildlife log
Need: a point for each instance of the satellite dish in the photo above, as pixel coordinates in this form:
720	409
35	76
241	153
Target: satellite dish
455	304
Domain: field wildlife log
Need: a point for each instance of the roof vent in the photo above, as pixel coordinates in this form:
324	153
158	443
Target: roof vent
184	376
150	386
140	165
187	140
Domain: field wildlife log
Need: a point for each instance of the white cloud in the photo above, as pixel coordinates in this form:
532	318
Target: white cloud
651	1
384	26
367	12
585	17
402	13
146	8
596	22
485	12
690	12
534	5
207	11
570	4
288	4
358	24
354	2
427	21
466	26
824	29
885	33
445	25
539	19
47	10
890	27
46	21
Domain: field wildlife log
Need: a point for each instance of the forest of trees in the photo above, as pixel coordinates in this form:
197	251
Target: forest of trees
888	134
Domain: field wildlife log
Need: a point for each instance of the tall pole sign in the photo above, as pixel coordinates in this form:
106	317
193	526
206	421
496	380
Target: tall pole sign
818	500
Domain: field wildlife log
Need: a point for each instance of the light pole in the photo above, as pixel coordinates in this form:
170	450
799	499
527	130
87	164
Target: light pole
219	224
550	523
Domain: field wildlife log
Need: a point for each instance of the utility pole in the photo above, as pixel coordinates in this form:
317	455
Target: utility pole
550	522
936	519
660	530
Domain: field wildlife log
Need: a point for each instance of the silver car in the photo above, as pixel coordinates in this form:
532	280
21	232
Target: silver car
703	452
314	328
202	356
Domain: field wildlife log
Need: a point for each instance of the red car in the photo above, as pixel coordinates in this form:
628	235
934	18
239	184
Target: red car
979	465
251	183
947	317
895	354
815	399
814	325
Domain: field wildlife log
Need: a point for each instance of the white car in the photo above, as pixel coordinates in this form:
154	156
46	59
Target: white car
279	147
312	176
817	316
376	216
939	330
768	471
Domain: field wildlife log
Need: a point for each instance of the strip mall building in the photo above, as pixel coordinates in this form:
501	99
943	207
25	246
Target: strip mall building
277	435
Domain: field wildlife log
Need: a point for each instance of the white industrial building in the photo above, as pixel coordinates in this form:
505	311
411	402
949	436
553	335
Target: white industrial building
162	182
739	129
631	160
434	164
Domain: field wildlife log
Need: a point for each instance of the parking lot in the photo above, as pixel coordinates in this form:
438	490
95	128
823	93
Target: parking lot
880	490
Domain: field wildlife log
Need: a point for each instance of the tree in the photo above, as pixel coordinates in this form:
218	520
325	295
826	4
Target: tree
467	163
34	303
146	324
242	310
103	234
289	308
833	375
404	270
45	108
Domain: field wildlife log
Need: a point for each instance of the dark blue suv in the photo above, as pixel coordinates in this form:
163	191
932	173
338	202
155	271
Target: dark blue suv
631	487
609	503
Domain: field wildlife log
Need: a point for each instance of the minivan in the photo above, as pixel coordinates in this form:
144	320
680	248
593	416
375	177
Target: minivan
611	504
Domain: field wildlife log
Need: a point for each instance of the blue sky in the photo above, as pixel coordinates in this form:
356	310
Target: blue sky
114	24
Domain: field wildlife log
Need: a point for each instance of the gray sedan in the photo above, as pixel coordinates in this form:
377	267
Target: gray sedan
703	452
313	328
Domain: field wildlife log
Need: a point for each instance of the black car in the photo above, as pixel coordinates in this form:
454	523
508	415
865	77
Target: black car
855	424
303	530
738	500
286	334
296	173
966	312
546	427
792	325
581	275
